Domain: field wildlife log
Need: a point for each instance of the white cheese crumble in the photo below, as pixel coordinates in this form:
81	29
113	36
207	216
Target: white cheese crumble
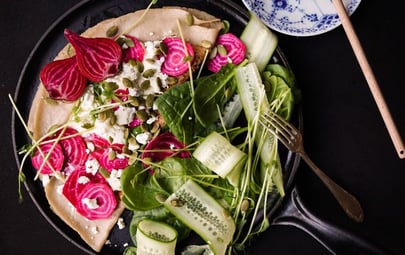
121	223
92	166
90	203
143	138
83	180
125	115
114	179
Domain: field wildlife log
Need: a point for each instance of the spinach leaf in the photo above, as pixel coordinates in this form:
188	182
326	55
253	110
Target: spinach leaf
210	94
175	107
139	189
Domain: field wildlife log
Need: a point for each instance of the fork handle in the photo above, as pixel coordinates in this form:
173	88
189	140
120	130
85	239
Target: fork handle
347	201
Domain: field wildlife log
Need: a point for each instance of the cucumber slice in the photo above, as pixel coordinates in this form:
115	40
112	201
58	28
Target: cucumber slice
254	101
219	155
260	41
153	237
192	205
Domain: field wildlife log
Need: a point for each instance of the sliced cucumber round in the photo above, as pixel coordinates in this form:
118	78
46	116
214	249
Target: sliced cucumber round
192	205
153	237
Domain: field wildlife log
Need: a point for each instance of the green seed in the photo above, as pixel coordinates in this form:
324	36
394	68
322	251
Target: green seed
145	84
189	19
113	120
142	115
155	128
102	116
145	127
110	86
149	100
159	82
222	50
161	198
132	62
150	60
149	73
206	44
245	205
177	202
112	155
134	101
171	80
213	52
163	48
112	31
139	66
127	83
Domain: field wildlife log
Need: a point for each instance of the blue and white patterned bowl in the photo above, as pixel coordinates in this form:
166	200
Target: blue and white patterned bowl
299	17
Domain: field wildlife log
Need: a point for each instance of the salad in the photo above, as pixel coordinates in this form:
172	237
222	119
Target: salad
168	131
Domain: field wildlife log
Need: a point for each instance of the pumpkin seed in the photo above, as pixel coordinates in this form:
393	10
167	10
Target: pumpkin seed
150	60
213	52
110	86
163	48
171	80
112	155
155	128
134	101
161	198
177	202
149	100
127	83
245	205
102	116
145	127
189	19
159	82
113	120
149	73
206	44
132	62
145	84
222	50
142	115
139	66
112	31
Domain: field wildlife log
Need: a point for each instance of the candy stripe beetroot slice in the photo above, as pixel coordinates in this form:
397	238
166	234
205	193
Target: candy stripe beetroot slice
137	52
63	80
111	158
175	62
73	147
235	52
97	58
77	180
56	158
163	146
96	201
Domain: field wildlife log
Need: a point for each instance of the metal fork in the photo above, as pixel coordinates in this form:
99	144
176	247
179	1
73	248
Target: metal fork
291	137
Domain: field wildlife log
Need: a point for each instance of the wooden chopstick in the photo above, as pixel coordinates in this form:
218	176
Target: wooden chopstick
370	78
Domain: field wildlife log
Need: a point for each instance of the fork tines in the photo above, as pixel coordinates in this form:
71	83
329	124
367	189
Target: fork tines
280	128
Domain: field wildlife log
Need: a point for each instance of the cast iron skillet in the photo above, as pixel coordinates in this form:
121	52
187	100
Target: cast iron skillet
288	211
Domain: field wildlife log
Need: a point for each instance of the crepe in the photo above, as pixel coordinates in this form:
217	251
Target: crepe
45	114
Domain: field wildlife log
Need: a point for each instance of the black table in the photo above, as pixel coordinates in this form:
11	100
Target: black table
344	132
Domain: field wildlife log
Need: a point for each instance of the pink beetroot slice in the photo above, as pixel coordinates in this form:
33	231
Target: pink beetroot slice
235	51
74	147
96	201
54	162
135	51
176	58
63	80
97	58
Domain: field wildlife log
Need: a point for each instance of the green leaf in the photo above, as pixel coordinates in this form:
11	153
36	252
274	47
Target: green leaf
139	189
210	93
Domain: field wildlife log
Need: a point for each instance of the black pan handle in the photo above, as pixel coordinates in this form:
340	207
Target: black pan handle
334	239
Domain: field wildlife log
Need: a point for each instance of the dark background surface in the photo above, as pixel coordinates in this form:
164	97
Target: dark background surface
344	132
